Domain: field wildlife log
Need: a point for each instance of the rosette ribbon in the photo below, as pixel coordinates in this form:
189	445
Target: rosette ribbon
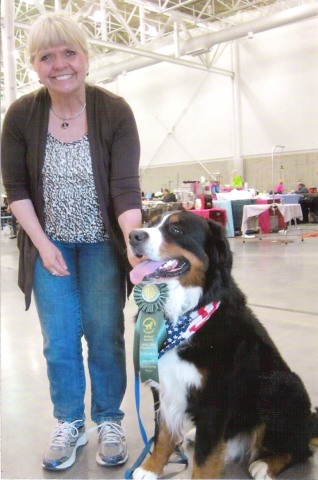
150	335
150	330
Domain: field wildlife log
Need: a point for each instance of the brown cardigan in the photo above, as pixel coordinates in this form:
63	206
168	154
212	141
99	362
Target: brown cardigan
115	151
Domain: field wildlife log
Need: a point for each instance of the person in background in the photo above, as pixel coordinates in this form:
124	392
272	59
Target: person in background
70	165
304	202
237	180
6	210
280	188
14	224
301	188
168	196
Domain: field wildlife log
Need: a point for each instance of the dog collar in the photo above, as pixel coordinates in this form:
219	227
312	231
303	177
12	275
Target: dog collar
186	326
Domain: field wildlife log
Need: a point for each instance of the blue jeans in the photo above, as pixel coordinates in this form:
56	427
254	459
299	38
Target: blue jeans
88	303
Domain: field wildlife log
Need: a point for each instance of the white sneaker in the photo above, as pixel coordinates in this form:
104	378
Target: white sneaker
112	448
66	438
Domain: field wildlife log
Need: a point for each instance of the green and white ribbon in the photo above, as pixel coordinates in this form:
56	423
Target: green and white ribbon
150	331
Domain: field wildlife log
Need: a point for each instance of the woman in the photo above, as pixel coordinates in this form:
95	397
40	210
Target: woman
280	188
70	168
168	196
303	201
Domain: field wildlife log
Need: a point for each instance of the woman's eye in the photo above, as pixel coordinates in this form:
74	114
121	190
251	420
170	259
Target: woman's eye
70	53
44	58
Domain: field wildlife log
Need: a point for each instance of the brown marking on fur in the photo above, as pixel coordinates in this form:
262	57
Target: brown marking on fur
195	276
213	465
164	447
314	442
277	463
174	218
257	441
204	375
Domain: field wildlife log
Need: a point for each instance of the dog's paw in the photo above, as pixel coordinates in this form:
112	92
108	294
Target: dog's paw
259	470
141	474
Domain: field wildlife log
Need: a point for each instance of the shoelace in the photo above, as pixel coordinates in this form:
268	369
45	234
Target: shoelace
63	433
109	432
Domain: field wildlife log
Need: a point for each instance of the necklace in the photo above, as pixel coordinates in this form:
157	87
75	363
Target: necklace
65	123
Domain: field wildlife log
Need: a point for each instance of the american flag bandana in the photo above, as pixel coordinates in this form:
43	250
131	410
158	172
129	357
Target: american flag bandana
186	326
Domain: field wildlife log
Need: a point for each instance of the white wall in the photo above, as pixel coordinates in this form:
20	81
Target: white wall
178	113
278	89
185	115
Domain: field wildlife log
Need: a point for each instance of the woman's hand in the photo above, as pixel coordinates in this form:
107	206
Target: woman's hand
132	259
128	221
52	259
50	255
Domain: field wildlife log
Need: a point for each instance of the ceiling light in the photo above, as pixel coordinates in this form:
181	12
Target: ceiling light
152	31
33	75
97	16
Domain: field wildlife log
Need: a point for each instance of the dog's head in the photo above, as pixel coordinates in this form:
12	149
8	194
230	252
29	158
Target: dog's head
186	248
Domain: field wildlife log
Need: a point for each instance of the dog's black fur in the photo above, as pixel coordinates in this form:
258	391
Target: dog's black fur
247	390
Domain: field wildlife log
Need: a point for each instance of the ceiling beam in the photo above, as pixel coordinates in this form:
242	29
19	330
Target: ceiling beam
202	43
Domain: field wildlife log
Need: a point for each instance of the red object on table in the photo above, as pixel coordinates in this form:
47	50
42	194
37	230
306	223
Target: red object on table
201	212
264	218
216	214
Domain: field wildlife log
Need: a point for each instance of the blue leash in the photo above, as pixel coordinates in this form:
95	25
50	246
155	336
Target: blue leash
149	299
148	443
183	459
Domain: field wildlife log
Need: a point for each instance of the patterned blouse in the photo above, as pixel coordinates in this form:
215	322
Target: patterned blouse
71	208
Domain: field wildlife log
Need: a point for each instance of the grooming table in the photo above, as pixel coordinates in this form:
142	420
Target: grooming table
289	212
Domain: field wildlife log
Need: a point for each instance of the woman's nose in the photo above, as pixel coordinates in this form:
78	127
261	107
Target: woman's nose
59	62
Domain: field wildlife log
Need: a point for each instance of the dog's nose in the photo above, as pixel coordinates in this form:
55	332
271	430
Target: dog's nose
136	237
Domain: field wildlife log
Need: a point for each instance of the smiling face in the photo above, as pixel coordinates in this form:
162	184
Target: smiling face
174	248
188	253
58	50
62	69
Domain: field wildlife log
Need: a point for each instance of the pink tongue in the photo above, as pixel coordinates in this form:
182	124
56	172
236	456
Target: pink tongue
142	269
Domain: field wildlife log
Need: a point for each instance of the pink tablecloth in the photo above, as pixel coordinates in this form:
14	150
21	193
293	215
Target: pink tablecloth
212	213
205	213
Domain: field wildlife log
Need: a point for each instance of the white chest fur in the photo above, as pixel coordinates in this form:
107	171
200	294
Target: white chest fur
176	377
180	299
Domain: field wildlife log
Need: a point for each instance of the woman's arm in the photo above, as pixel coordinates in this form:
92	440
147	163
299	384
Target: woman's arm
128	221
50	255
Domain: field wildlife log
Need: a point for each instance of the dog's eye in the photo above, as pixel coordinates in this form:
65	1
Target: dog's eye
175	229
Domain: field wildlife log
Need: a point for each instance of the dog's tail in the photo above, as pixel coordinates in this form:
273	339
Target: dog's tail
313	426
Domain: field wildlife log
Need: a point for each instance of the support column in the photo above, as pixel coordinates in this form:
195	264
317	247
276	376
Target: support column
237	162
9	66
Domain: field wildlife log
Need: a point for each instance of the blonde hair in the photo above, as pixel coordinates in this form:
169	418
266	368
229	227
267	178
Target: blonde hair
54	29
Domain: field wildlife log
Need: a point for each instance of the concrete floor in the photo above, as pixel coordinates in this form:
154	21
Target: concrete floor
280	282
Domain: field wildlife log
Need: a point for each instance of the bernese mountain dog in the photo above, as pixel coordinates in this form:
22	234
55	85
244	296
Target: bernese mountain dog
224	373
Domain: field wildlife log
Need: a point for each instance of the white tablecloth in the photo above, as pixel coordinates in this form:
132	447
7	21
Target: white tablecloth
236	195
289	212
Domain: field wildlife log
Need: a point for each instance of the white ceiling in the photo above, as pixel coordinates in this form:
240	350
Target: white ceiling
125	35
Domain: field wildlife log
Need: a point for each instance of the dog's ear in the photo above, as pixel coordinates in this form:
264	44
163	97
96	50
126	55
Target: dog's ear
220	246
218	275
